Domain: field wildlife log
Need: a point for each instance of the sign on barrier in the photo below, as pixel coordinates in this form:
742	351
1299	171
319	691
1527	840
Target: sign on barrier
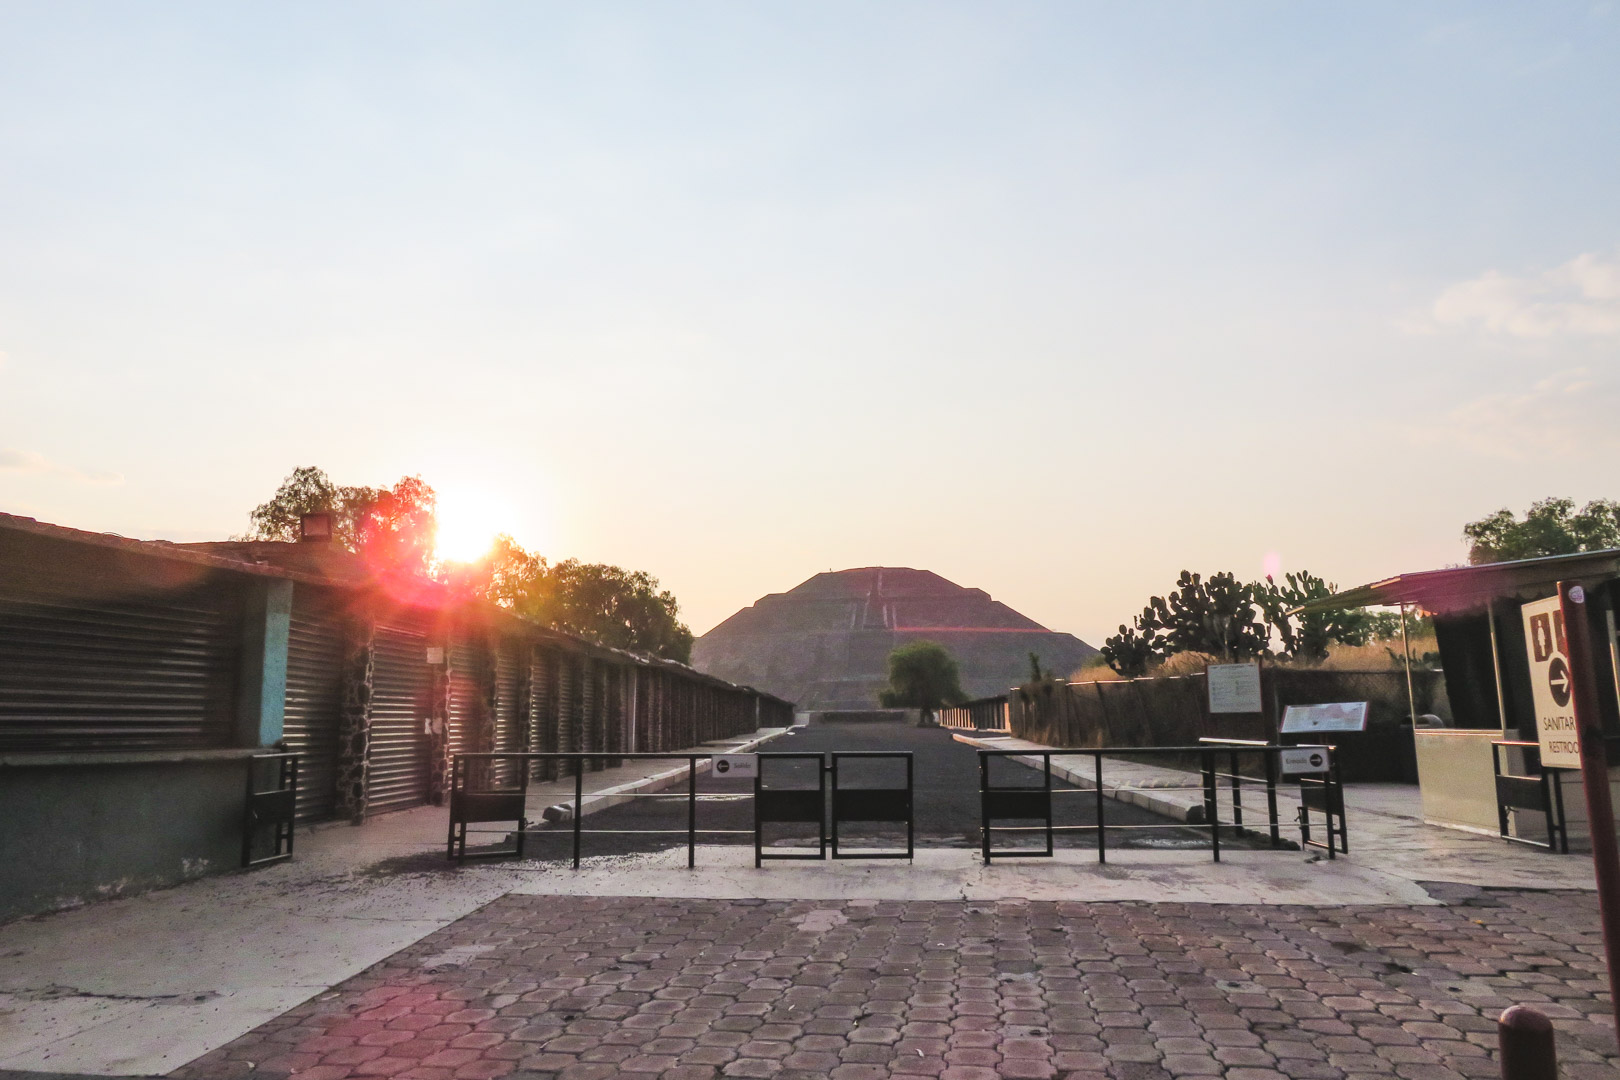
744	766
1304	759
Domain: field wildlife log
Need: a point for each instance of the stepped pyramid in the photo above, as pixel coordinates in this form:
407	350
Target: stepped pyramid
825	643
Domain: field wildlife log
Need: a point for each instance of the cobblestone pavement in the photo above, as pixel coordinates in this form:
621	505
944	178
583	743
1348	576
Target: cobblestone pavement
577	987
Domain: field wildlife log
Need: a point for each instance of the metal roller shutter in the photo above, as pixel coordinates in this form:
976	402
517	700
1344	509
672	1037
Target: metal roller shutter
464	670
401	685
135	673
508	735
314	704
543	712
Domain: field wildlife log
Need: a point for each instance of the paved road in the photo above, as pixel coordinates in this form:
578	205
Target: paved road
946	801
587	988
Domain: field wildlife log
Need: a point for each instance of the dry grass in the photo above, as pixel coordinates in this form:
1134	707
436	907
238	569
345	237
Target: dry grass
1376	655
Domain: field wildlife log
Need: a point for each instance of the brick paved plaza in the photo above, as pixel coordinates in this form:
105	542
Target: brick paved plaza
578	987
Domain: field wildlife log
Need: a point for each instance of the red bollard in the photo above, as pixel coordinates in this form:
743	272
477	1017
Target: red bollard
1526	1038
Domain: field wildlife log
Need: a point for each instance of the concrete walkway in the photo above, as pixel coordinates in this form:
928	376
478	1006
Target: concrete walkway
145	984
1385	822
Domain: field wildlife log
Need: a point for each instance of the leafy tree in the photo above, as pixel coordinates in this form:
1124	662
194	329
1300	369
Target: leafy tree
923	676
607	604
1551	527
1307	635
1216	617
393	527
1135	648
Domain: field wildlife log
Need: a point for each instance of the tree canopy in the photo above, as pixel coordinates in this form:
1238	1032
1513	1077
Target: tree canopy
923	676
1236	621
1550	527
394	528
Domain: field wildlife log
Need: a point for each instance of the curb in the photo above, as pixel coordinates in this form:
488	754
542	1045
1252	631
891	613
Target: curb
607	798
1191	814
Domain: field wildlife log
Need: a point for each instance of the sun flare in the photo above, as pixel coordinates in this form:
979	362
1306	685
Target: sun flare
469	521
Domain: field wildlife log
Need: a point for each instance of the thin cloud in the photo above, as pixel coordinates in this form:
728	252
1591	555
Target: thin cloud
30	463
1581	298
1567	415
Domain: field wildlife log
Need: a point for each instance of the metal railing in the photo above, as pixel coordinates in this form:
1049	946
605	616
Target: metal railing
275	807
482	792
1540	793
1322	792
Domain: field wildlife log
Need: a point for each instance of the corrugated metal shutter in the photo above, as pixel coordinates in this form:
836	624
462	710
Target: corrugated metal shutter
464	670
135	673
314	704
543	712
400	690
508	735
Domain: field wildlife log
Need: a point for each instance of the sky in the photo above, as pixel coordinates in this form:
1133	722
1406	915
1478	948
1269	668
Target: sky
1055	300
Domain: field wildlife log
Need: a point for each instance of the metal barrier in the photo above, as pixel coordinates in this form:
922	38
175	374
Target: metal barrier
790	806
888	804
1028	802
1542	793
276	807
459	810
484	803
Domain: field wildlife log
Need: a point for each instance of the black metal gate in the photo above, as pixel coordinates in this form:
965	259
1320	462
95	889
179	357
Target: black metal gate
776	802
890	804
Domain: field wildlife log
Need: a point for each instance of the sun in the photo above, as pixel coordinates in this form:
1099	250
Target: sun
469	521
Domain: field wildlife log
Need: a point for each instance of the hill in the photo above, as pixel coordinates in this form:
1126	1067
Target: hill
824	643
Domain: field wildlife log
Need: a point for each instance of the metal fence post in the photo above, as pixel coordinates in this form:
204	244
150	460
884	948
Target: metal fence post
1102	831
1526	1040
691	811
579	803
1270	757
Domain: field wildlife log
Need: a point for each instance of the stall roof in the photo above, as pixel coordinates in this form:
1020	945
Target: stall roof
1464	586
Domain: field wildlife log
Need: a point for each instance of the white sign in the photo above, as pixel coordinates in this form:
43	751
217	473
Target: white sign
1234	688
1338	716
1551	685
1304	759
745	766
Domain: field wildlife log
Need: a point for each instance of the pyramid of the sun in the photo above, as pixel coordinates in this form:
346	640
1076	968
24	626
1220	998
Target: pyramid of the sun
826	643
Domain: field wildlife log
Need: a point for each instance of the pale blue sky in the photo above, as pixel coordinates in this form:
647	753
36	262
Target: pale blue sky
1053	299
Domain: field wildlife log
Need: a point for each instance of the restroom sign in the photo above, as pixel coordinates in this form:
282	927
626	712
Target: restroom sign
1551	684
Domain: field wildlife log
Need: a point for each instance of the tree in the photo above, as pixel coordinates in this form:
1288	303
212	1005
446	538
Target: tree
1135	648
624	609
923	676
1307	635
392	527
1551	527
1216	617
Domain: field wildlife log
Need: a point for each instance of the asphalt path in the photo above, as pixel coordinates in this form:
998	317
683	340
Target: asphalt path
945	802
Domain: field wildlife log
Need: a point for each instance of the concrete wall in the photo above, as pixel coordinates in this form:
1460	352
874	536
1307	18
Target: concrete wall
79	828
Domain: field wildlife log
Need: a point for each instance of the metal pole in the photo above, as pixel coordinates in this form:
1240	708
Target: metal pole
1102	834
1047	758
1595	776
984	807
579	803
691	812
1526	1039
1496	666
1406	651
1270	757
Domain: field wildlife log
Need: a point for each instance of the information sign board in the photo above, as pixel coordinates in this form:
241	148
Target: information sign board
1550	684
1336	716
744	766
1234	688
1304	759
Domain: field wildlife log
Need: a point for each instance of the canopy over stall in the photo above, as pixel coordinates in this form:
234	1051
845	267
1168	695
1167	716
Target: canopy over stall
1481	638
